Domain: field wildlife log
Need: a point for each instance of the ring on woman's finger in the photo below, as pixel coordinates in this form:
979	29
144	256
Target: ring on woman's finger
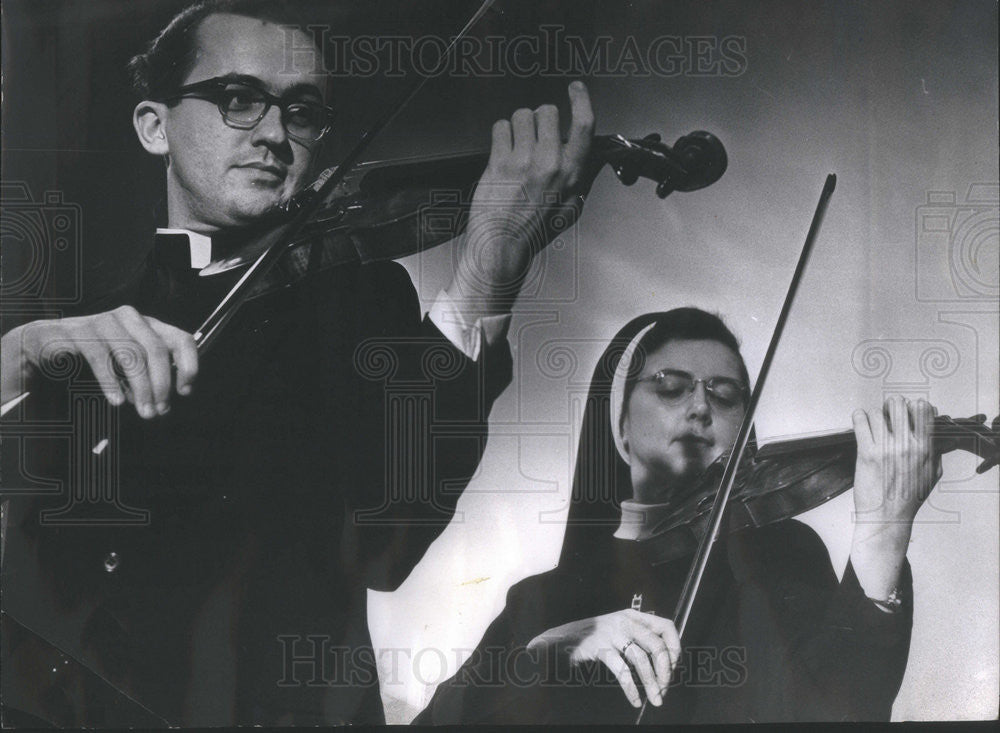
629	643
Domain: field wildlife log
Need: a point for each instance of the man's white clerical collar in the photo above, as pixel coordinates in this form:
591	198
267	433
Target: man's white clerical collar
183	248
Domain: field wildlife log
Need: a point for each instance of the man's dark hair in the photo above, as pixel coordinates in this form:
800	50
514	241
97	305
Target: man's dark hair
682	324
168	59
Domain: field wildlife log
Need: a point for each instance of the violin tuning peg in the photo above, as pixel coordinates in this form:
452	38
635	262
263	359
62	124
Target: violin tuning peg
663	188
626	175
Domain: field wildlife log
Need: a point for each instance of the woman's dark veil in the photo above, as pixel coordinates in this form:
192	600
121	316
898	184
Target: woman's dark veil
601	479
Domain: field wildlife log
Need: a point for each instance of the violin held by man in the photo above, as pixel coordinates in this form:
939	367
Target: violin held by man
261	465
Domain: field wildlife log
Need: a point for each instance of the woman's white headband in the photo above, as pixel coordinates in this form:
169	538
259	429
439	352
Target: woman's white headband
618	390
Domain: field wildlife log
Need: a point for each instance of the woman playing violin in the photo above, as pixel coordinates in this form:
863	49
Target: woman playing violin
772	636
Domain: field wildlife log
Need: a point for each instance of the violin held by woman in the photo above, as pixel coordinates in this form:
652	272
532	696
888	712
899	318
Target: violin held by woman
773	634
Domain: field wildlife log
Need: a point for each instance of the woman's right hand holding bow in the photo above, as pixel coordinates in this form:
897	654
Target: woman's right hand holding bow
628	643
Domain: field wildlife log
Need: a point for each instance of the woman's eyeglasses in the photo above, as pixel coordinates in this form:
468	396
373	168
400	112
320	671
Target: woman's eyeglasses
674	386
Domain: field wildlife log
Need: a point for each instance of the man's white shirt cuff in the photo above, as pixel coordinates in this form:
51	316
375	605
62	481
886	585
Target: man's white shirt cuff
468	339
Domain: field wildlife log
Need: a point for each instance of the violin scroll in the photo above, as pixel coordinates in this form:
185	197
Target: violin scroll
696	160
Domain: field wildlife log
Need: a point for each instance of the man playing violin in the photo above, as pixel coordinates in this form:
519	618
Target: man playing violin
278	487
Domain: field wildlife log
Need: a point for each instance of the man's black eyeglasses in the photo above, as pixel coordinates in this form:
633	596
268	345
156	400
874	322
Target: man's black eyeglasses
674	386
244	104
